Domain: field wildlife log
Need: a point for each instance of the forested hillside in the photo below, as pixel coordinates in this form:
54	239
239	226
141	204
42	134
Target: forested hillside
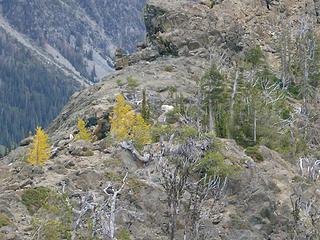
31	93
49	49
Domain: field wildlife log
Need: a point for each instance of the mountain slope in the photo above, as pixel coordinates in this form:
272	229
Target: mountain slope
268	196
68	44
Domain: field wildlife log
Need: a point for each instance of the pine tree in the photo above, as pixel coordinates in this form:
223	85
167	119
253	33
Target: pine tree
40	151
214	92
127	125
83	134
145	110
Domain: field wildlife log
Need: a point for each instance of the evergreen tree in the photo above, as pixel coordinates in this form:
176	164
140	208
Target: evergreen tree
40	151
213	88
145	111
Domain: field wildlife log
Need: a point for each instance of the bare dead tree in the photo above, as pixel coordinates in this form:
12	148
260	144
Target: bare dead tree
199	192
135	153
309	168
306	216
102	213
178	178
108	227
175	175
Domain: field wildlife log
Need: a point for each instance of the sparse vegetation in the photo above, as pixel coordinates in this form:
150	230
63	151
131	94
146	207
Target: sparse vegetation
35	198
132	83
254	153
168	68
4	220
123	234
120	83
213	164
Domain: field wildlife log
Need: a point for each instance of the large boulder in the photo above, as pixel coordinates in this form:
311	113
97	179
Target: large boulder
27	141
81	148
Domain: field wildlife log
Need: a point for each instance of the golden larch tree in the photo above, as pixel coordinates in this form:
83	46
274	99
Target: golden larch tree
39	151
83	134
128	125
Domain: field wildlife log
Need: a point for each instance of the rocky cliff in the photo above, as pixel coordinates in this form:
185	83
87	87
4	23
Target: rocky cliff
267	198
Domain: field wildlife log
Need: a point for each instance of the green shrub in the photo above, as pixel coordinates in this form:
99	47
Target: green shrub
172	90
295	91
254	153
185	132
55	216
213	164
4	220
120	83
53	230
161	130
168	68
172	116
166	47
136	184
254	56
123	234
35	198
132	82
285	114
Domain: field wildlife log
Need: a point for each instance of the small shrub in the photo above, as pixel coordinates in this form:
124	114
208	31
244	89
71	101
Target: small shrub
135	184
298	178
132	83
213	164
238	221
123	234
172	116
4	220
111	162
172	90
168	68
113	176
285	114
53	230
254	56
254	153
120	83
166	47
55	216
186	132
35	198
295	91
161	130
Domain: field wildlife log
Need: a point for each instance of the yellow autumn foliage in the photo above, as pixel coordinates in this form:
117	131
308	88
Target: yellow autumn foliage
39	151
83	134
128	125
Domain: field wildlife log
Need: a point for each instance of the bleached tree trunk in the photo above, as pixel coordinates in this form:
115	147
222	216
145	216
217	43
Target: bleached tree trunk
305	84
255	126
211	117
284	53
233	96
198	118
135	153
